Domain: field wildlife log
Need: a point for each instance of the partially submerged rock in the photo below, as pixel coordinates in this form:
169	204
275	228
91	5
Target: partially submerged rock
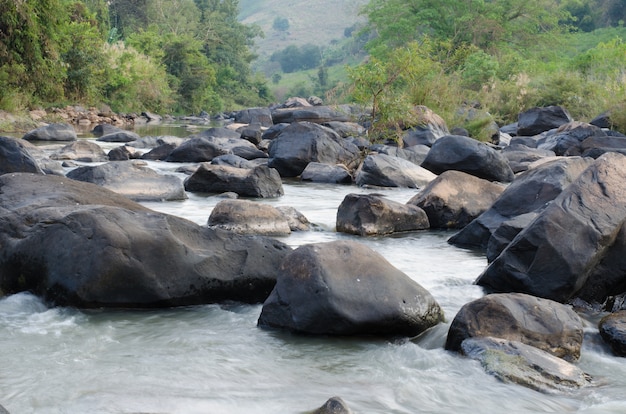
248	217
78	244
52	132
542	323
518	363
133	179
613	330
383	170
368	214
345	288
334	405
261	181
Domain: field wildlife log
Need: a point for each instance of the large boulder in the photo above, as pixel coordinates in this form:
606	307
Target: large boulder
205	148
428	129
455	152
454	199
537	120
249	217
52	132
315	114
518	363
334	405
383	170
81	150
303	142
133	179
369	214
542	323
261	116
554	255
345	288
530	192
14	157
416	153
233	160
597	145
78	244
261	181
119	136
613	331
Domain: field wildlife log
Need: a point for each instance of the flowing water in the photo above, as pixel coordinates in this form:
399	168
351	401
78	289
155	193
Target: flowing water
214	359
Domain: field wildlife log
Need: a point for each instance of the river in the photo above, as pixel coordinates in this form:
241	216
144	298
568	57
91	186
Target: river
213	359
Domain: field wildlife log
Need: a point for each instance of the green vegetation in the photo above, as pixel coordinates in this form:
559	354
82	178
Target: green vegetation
159	55
507	55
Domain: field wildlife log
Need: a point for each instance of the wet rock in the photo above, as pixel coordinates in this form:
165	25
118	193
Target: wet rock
368	214
537	120
518	363
334	405
78	244
555	254
530	192
81	150
305	142
249	217
105	129
455	152
542	323
613	330
386	171
324	173
133	179
52	132
454	199
296	220
261	181
345	288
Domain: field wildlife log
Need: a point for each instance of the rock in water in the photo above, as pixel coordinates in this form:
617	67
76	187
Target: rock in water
345	288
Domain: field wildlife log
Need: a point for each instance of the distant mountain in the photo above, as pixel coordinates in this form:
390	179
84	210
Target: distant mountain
310	21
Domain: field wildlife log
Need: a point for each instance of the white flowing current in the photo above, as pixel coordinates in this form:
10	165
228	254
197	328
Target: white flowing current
213	359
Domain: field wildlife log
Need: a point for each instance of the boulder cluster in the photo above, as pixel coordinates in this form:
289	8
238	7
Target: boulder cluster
546	202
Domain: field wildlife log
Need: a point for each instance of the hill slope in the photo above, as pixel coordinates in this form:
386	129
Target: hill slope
310	21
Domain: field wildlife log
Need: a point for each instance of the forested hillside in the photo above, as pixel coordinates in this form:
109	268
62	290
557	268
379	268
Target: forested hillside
185	56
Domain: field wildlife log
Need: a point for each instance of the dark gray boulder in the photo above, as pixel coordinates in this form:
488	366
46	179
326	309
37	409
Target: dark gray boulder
104	129
556	253
613	331
205	148
597	145
52	132
303	142
454	199
506	232
14	157
542	323
273	131
248	152
455	152
78	244
261	181
249	217
81	150
383	170
537	120
430	127
325	173
133	179
567	139
530	192
159	153
518	363
119	136
315	114
334	405
252	133
261	116
369	214
345	288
